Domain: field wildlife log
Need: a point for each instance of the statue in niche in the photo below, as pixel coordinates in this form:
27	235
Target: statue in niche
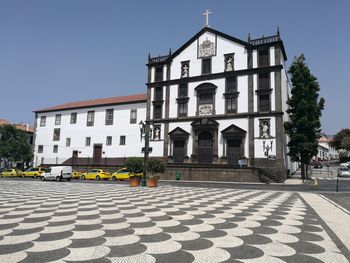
185	70
265	129
157	133
229	63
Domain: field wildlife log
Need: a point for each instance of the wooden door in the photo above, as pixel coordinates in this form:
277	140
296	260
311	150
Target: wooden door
233	151
96	159
179	151
205	147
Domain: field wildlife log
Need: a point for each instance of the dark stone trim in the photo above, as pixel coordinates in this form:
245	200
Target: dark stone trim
182	99
263	91
213	76
158	102
167	109
224	116
231	94
251	146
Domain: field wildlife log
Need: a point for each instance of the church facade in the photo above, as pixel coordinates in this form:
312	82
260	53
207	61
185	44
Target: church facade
219	101
214	110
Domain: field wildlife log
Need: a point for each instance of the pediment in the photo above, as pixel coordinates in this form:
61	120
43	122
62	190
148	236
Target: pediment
205	122
233	131
178	131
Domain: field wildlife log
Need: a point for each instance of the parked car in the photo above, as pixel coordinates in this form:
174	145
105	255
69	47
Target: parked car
33	172
343	171
76	174
124	174
57	173
318	165
96	174
347	164
11	172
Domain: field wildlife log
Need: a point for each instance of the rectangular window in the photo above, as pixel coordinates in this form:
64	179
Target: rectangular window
55	149
133	116
264	81
263	59
42	121
231	84
157	112
182	109
40	148
159	74
206	65
183	90
109	116
56	134
109	141
158	93
205	98
264	102
68	141
58	119
231	105
73	118
122	140
90	118
87	141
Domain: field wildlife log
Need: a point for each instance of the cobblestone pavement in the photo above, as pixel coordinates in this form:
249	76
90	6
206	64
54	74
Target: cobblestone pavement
64	222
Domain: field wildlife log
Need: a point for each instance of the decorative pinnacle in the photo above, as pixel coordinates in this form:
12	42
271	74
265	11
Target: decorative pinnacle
248	36
278	30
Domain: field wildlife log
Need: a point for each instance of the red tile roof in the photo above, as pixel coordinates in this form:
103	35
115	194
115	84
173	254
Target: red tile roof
20	126
97	102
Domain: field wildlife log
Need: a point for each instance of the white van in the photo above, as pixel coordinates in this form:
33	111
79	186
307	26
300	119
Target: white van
57	173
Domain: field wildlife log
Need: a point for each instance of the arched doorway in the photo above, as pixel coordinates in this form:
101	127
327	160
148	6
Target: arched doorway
205	147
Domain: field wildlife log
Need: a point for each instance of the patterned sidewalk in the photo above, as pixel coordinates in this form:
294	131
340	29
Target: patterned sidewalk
67	222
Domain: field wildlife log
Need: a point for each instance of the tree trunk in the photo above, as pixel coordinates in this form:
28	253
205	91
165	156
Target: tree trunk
303	171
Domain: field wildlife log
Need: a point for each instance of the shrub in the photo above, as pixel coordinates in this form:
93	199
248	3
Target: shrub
155	166
134	164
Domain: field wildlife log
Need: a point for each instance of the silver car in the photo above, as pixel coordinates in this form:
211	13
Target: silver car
343	171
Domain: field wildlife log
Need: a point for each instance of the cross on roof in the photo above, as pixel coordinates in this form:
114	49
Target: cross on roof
206	14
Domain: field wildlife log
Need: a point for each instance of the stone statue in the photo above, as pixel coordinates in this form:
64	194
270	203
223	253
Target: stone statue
264	129
229	64
185	70
157	133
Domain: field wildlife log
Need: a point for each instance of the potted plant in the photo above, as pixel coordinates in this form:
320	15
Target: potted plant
135	168
155	168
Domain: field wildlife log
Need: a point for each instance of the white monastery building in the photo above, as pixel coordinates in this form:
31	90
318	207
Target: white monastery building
215	108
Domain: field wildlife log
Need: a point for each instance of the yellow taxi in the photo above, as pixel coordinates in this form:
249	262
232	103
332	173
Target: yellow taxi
11	173
33	172
124	174
96	174
76	174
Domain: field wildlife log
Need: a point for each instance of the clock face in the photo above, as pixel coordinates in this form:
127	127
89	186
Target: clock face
205	110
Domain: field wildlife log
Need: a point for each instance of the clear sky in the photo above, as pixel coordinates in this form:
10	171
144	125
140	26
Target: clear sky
58	51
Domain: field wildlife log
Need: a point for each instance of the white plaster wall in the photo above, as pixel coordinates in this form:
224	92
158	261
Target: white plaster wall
242	85
258	142
255	86
272	56
273	92
98	133
255	58
224	46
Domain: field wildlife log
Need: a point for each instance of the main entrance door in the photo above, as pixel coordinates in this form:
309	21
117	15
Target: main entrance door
97	154
179	151
205	147
233	151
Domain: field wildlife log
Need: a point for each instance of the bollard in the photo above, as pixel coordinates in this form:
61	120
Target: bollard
336	190
178	175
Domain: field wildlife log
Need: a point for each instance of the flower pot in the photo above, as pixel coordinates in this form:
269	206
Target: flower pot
134	181
152	182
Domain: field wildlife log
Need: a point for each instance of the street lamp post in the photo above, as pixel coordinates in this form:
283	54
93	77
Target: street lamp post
144	130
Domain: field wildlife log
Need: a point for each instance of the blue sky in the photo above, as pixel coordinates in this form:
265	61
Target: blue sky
57	51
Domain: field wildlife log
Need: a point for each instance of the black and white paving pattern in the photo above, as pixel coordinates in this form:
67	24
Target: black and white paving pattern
64	222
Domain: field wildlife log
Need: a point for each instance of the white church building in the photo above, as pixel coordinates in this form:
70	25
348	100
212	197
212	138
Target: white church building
216	107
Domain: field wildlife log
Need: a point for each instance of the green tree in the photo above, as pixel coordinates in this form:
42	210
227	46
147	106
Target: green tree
341	140
155	166
304	110
134	164
14	146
